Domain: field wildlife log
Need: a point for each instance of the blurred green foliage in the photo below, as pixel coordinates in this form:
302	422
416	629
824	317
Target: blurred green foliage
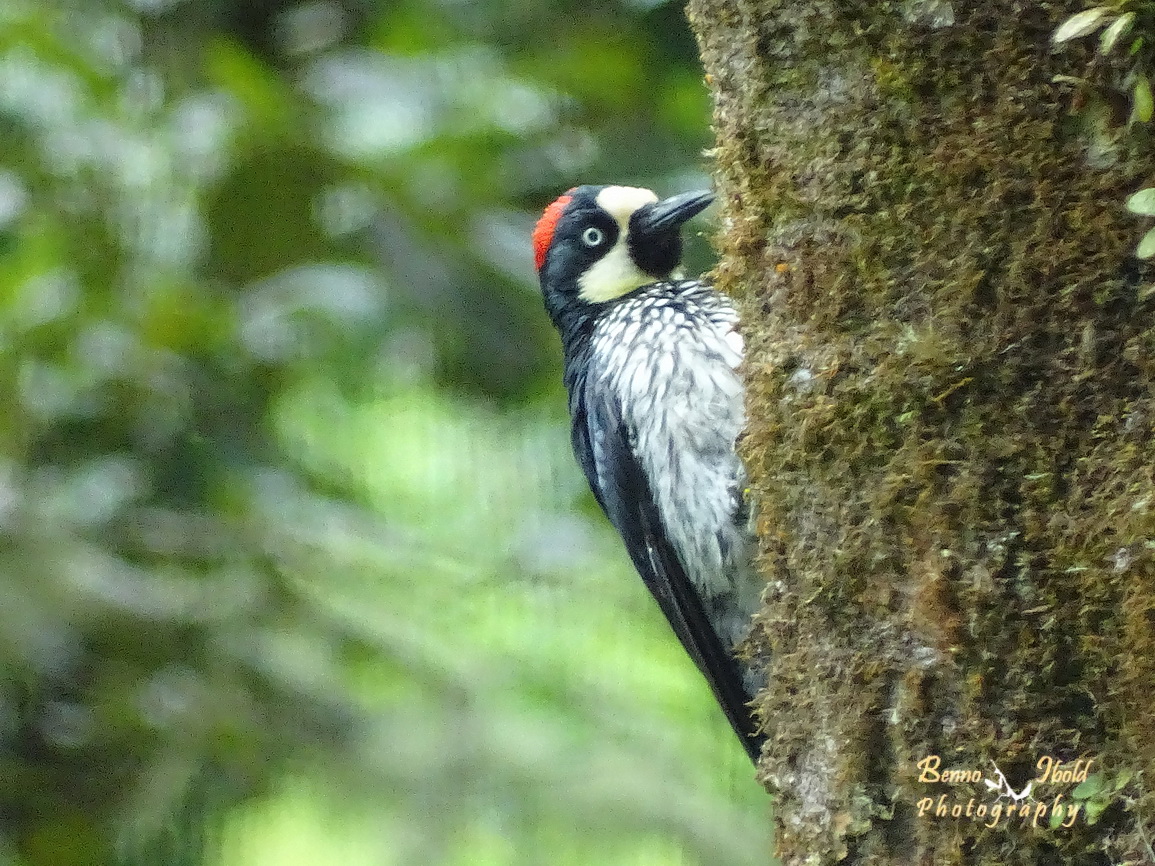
296	565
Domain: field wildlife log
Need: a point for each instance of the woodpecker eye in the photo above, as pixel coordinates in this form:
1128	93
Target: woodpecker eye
592	236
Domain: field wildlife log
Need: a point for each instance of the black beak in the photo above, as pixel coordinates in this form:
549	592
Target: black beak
668	215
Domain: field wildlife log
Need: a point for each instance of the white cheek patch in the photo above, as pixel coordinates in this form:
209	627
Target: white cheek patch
612	276
615	273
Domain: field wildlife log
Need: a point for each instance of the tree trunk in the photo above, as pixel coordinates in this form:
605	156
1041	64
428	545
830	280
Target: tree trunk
951	359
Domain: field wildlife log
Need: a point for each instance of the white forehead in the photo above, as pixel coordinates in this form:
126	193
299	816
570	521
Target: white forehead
620	202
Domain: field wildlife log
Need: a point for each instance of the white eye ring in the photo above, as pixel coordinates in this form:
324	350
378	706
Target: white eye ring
592	236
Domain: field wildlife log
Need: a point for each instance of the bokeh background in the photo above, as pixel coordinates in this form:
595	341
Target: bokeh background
296	565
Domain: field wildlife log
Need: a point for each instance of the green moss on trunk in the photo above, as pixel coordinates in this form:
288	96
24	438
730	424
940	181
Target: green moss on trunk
951	369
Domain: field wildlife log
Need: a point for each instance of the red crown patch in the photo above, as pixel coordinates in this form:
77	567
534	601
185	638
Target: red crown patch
543	231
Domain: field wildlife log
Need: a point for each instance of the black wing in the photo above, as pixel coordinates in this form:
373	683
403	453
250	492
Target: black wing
602	445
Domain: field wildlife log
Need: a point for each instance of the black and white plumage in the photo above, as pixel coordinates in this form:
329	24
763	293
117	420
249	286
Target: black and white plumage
656	405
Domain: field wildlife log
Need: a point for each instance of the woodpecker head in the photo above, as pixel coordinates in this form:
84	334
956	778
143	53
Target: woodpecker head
597	243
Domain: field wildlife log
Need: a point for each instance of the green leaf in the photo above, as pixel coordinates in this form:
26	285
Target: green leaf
1088	788
1080	24
1142	202
1146	247
1094	808
1141	102
1119	27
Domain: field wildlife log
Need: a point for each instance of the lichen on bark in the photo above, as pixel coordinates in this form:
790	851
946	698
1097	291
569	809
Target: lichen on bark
951	399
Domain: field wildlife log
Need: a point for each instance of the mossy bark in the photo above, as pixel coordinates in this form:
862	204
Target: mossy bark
951	376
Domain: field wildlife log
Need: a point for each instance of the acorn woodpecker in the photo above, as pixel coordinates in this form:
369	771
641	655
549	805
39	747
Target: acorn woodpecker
656	406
